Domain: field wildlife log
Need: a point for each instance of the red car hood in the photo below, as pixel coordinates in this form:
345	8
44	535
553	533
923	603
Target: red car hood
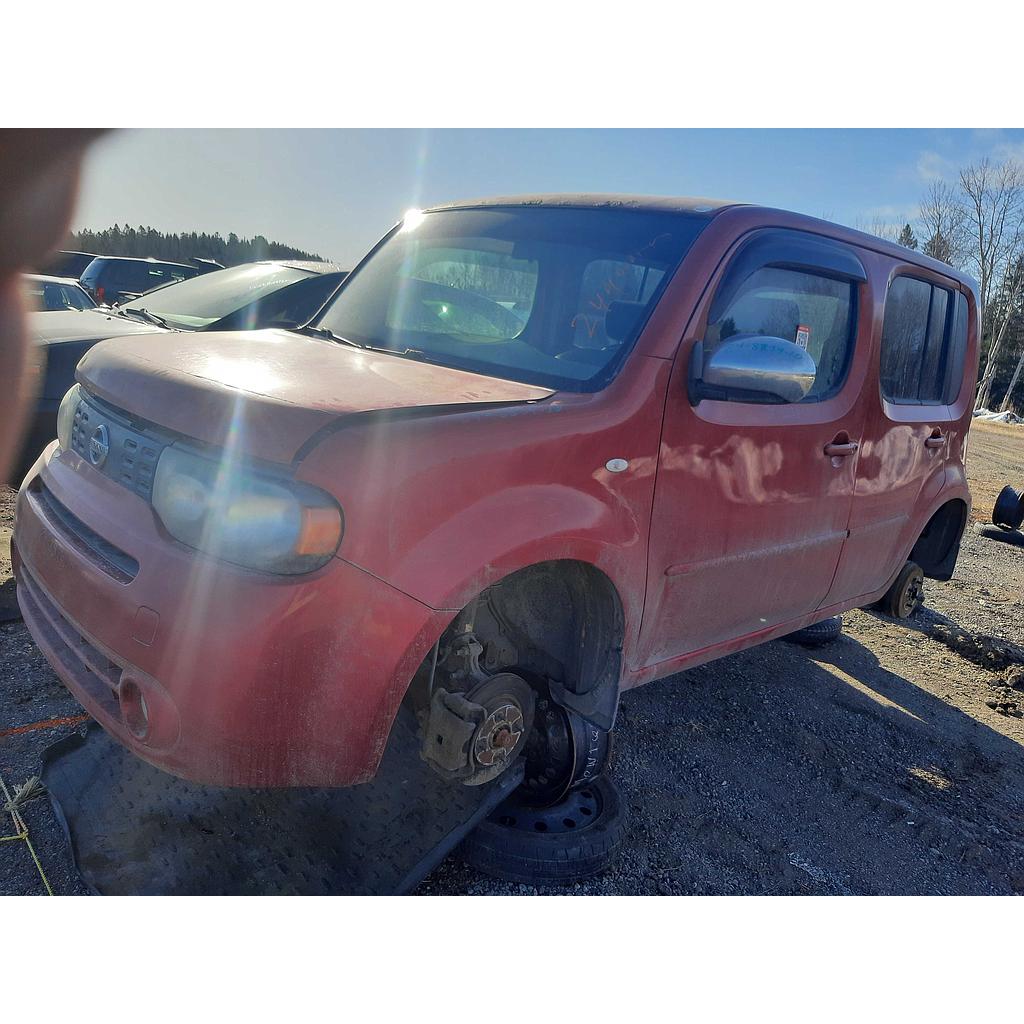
270	391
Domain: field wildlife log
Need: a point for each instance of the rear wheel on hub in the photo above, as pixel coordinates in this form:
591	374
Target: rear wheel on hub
906	594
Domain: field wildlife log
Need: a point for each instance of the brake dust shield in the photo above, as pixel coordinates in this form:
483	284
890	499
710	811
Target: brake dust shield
135	830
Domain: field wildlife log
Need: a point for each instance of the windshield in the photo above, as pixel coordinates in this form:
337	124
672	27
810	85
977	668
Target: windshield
550	296
203	300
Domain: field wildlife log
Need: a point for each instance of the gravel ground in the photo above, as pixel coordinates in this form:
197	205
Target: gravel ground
873	765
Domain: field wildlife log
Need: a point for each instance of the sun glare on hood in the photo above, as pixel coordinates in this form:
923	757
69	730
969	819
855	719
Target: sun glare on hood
244	374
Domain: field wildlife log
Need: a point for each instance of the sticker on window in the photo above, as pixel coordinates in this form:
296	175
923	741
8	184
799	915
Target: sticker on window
803	335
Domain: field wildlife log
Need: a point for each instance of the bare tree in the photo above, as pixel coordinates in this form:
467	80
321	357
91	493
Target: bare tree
993	203
1012	296
879	227
942	221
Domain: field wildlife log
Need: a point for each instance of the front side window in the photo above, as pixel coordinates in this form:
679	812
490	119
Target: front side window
551	296
916	335
813	311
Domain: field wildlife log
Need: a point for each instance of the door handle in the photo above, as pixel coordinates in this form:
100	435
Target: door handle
937	440
840	449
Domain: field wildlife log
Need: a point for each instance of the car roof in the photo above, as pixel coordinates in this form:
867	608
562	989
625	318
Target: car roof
712	207
50	279
596	200
312	266
146	259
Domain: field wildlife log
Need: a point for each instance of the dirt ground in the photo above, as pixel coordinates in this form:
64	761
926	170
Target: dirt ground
891	761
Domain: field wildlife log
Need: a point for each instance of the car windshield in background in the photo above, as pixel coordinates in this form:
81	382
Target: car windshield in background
203	300
55	295
550	296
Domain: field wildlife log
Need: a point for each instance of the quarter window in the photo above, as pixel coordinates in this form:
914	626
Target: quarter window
922	343
814	311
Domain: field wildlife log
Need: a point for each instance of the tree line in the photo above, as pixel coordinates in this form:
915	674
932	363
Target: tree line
179	248
975	222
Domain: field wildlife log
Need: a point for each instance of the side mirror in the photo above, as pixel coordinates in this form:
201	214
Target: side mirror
752	366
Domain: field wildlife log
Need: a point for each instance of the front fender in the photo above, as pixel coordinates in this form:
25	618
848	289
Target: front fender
517	527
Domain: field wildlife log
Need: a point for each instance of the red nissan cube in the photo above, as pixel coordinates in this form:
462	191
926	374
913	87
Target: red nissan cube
535	451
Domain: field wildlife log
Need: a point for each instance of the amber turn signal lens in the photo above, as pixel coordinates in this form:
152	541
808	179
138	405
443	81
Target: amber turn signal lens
320	532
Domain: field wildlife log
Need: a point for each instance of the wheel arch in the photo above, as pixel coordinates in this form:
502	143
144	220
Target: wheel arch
560	623
938	544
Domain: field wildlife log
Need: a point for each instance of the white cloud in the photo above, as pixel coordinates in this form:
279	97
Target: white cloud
932	165
1009	151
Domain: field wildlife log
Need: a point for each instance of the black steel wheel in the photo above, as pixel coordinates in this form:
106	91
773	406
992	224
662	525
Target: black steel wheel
575	838
819	633
906	594
563	752
1008	511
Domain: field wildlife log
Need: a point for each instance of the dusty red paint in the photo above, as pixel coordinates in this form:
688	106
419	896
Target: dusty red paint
729	528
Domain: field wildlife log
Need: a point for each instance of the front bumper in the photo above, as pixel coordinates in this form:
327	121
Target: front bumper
245	679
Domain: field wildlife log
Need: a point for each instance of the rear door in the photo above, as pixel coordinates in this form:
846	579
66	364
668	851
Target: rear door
912	429
753	496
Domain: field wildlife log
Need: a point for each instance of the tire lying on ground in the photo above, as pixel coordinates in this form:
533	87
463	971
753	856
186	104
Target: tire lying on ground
906	594
823	632
1008	511
576	838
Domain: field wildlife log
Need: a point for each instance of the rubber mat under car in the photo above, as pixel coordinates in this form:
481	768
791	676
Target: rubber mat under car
135	830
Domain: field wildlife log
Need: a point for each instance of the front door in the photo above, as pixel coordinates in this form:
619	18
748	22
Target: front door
753	494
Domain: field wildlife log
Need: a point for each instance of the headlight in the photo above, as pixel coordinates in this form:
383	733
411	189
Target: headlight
66	416
244	517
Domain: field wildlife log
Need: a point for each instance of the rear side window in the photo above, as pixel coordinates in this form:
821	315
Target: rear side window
814	311
924	342
144	277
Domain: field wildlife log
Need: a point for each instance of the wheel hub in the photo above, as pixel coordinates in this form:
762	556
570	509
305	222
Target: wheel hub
913	596
498	735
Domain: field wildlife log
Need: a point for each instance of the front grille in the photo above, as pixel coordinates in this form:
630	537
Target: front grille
132	453
90	668
117	564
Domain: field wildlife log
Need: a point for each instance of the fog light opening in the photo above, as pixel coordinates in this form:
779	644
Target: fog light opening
134	709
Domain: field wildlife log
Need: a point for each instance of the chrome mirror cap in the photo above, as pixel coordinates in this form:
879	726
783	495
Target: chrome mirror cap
759	363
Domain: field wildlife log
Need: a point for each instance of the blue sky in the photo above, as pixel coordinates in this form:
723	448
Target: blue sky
336	191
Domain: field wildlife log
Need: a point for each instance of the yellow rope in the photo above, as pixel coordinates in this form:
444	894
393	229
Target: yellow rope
22	833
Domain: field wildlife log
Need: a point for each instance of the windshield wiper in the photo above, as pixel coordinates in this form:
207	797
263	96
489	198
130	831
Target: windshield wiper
146	315
326	332
414	353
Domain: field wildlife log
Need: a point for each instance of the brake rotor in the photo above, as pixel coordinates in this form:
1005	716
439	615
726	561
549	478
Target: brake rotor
508	704
563	753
